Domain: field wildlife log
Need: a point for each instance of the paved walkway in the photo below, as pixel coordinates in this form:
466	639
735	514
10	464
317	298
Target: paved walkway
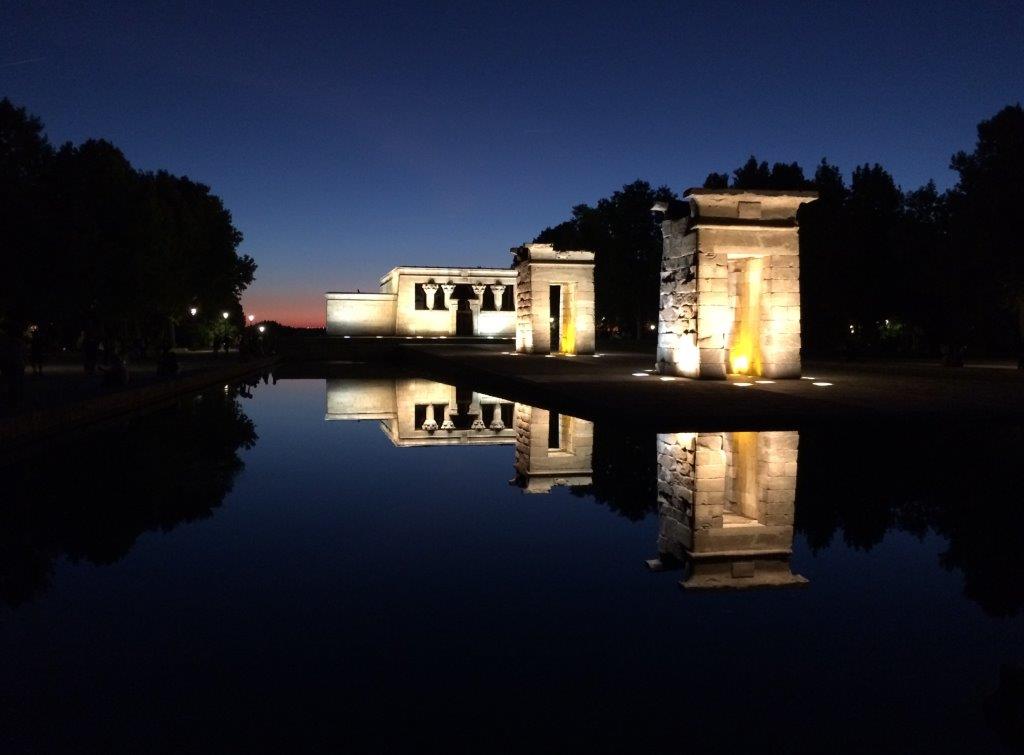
621	387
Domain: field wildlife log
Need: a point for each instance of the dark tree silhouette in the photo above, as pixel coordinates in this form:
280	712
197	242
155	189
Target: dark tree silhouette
984	207
626	240
89	242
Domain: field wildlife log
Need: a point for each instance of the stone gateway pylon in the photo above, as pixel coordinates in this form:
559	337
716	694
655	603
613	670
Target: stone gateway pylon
554	300
730	284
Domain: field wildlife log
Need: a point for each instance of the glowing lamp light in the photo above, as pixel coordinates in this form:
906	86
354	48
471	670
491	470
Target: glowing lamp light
652	326
263	328
741	363
193	311
225	315
252	318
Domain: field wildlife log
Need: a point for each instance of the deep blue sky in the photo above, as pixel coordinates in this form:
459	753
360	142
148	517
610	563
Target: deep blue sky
349	138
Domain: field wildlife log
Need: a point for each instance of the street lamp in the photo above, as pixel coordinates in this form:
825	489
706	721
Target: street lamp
252	318
193	311
225	315
263	328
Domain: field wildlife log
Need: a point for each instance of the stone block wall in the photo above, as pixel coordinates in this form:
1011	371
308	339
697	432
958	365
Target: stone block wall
525	331
677	319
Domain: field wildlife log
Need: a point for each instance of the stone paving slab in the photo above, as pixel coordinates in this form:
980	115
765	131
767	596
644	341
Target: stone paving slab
616	386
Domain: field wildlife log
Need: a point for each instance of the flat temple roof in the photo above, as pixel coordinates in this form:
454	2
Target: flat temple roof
766	192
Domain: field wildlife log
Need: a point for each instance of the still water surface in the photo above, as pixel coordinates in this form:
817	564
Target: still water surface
303	566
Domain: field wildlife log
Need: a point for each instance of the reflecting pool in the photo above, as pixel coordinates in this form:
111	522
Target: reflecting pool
390	563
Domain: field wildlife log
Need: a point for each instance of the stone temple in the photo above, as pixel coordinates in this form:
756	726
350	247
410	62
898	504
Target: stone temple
730	284
545	301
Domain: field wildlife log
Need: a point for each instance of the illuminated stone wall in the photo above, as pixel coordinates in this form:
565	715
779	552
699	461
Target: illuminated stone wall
726	505
358	314
538	268
424	301
730	285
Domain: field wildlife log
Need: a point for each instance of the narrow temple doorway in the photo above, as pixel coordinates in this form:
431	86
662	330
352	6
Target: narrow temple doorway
464	319
555	317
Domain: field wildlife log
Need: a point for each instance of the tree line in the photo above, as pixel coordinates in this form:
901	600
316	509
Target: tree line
883	270
92	247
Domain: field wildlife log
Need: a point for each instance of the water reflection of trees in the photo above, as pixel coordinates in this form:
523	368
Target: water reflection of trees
90	499
625	476
963	486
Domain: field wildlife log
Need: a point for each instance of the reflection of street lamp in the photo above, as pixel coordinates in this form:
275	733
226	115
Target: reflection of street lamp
193	311
225	315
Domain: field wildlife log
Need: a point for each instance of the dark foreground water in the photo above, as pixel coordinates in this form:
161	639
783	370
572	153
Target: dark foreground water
255	570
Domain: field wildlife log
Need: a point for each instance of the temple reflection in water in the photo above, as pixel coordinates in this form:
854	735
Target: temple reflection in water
725	506
551	449
725	500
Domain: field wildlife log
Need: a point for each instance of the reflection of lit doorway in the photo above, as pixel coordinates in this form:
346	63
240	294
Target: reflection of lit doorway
742	505
464	319
559	433
562	319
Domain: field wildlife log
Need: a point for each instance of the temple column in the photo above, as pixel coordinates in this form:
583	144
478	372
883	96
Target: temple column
430	289
448	423
429	424
450	304
474	408
497	424
475	305
498	290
